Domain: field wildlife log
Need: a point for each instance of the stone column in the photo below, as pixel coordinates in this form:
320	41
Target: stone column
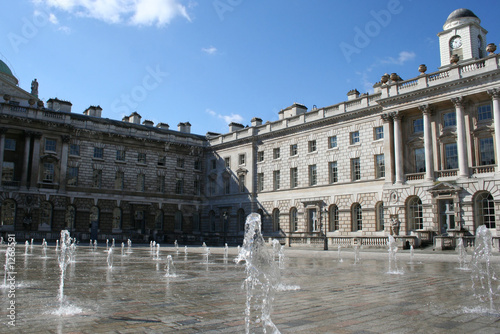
388	152
495	95
429	155
64	162
398	147
2	148
26	159
463	164
35	160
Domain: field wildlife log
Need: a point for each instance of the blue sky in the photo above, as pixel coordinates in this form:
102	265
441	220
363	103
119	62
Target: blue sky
211	62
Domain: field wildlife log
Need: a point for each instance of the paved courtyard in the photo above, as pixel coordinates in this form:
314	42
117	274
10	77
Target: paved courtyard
431	295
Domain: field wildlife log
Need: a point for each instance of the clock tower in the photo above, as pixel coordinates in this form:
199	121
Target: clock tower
463	36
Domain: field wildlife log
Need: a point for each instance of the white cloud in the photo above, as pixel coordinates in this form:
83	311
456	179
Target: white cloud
227	118
134	12
211	50
403	57
53	19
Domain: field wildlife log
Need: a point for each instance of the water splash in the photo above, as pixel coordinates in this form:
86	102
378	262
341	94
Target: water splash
123	249
281	257
393	260
109	259
462	255
484	279
63	259
129	246
339	253
176	245
356	254
44	248
263	276
169	267
157	256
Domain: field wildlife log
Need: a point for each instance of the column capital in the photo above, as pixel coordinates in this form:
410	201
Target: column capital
458	101
65	138
386	117
426	109
494	93
396	115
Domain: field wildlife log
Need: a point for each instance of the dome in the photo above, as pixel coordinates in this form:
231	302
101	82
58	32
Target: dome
5	69
461	13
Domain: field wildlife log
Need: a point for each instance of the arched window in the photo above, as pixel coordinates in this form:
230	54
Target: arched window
414	214
276	220
45	216
211	220
333	224
357	217
294	220
8	213
484	210
69	218
159	220
196	221
178	221
117	219
379	212
241	220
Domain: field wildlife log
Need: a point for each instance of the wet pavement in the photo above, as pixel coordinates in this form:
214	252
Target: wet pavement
428	294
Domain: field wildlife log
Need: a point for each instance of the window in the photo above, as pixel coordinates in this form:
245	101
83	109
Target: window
120	155
10	144
50	145
69	217
260	181
98	152
74	149
159	220
213	164
211	187
333	171
162	160
294	150
197	164
227	186
451	156
332	142
485	210
227	162
180	163
312	146
379	166
117	219
197	187
415	214
418	125
48	172
179	186
334	218
72	178
45	216
211	220
178	221
276	180
486	151
119	180
8	171
97	178
161	184
357	218
355	169
313	176
196	222
484	113
294	177
241	159
294	220
276	220
378	133
141	157
419	154
379	212
260	156
141	182
241	183
276	153
354	136
8	213
449	119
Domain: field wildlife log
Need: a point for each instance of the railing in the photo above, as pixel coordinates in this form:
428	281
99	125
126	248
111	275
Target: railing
473	67
438	76
483	169
408	84
446	173
10	183
415	176
17	108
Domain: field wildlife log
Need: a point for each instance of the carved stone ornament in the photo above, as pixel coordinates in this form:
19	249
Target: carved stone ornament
454	59
384	78
422	68
491	48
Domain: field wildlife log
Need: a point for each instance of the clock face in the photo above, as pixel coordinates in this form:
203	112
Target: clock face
456	42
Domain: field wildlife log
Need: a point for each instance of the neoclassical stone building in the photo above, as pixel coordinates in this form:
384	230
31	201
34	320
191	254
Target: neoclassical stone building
416	157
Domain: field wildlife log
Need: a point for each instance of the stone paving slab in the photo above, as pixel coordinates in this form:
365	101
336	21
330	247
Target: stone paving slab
431	295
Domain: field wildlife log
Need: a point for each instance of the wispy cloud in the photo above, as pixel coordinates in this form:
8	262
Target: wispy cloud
403	57
210	50
134	12
227	118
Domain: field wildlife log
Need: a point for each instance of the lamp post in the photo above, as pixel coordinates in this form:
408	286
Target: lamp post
325	240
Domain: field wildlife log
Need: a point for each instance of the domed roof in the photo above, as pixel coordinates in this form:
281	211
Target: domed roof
5	69
461	13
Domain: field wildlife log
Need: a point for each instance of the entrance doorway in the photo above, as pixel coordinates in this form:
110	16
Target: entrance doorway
446	215
313	220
